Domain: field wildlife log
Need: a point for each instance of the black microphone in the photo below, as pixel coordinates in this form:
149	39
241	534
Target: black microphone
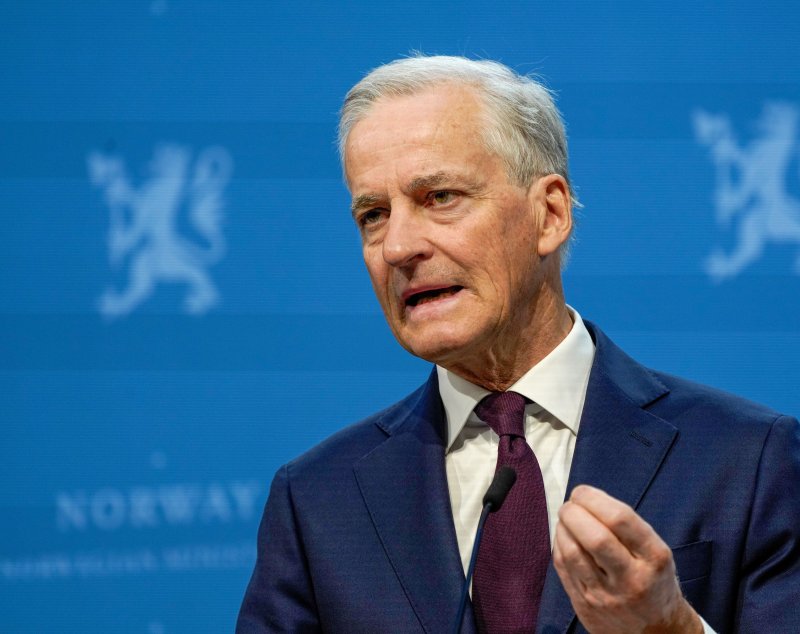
504	479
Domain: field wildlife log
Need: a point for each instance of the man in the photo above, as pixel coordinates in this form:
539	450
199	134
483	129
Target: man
461	193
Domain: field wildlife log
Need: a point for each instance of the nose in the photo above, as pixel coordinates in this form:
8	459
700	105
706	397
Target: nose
406	241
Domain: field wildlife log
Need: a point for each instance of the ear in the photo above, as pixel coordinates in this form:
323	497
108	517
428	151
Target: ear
553	205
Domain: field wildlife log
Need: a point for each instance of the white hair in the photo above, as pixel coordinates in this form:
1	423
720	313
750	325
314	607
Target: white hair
524	127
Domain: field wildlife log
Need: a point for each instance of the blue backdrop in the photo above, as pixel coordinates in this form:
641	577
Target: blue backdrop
178	262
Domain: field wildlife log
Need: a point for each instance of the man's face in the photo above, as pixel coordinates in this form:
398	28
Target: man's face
449	241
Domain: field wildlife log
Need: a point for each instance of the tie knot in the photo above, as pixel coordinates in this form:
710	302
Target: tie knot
504	412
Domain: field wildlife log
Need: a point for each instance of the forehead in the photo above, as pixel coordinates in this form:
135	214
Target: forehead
423	131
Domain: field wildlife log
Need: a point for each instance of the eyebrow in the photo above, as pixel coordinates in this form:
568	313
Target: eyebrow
363	200
428	181
446	179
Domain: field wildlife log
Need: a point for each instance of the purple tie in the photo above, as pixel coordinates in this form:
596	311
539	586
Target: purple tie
515	551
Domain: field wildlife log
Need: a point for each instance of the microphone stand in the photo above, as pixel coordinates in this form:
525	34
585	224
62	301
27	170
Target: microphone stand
503	480
462	604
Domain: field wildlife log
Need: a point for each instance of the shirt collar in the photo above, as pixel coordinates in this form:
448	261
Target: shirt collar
557	383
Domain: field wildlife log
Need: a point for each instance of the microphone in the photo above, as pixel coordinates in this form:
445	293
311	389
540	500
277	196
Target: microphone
504	479
501	484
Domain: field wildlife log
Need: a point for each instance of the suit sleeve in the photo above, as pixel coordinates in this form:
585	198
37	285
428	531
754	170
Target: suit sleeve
770	589
279	597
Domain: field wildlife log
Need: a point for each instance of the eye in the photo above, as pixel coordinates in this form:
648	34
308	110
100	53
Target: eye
371	217
441	197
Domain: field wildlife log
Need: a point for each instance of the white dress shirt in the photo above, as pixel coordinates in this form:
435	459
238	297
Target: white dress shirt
557	388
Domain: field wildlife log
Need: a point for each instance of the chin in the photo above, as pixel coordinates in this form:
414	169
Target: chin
437	347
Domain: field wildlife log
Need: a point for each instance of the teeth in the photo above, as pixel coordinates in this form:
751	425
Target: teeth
429	296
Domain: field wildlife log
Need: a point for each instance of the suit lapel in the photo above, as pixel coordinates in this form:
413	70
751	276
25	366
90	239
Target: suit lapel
619	449
404	486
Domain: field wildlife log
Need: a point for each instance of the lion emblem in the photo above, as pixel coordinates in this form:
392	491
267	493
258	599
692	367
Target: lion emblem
144	222
751	184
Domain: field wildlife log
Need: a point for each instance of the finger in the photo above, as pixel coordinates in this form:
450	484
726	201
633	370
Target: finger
571	560
630	529
596	539
576	590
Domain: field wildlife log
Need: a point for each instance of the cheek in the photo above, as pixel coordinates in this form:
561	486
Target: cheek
373	262
506	274
379	276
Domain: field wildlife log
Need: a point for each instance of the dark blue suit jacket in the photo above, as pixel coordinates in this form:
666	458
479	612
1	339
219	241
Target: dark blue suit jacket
358	536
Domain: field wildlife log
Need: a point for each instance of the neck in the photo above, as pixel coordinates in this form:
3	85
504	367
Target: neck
498	366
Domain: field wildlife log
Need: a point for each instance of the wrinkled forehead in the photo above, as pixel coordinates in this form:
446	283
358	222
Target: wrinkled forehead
448	118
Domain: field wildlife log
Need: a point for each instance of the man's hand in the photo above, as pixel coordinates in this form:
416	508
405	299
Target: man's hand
618	573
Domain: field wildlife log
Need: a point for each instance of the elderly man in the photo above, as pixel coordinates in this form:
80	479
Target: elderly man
682	509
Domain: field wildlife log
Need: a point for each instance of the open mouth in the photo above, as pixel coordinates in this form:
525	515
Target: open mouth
423	297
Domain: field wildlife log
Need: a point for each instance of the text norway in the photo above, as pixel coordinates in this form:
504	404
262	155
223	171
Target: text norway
145	507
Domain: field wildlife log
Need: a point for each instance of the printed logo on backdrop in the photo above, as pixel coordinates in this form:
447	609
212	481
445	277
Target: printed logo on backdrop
751	198
169	516
166	229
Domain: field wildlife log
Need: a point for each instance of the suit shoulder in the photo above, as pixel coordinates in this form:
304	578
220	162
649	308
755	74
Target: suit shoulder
684	403
692	401
344	447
